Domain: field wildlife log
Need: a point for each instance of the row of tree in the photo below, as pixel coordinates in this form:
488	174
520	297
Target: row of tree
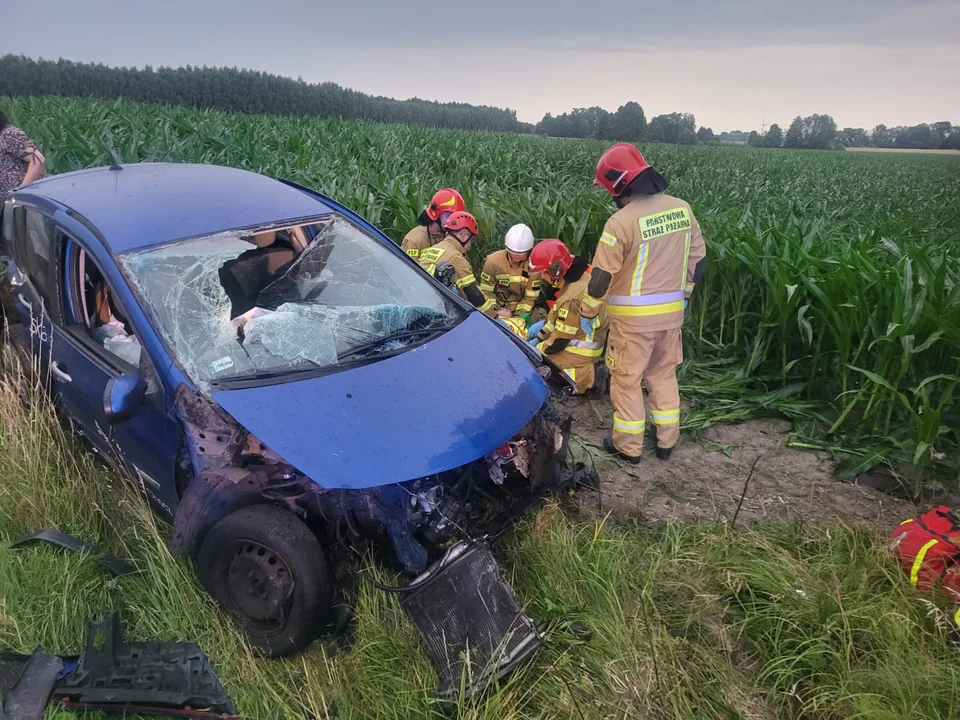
241	90
819	132
250	91
629	122
256	92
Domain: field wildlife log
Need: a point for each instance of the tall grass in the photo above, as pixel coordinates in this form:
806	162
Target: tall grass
652	622
838	273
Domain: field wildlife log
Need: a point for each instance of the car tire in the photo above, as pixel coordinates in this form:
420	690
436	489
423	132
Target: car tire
268	572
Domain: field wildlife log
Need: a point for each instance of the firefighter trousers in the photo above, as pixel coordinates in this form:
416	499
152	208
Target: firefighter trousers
633	356
580	368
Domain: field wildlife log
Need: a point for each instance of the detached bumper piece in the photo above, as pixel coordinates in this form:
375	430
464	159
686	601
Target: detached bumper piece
26	682
474	628
143	678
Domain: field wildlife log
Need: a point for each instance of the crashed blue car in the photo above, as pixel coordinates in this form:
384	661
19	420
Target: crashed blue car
276	375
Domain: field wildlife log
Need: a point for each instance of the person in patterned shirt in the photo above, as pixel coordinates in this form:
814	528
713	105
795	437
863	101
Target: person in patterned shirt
20	161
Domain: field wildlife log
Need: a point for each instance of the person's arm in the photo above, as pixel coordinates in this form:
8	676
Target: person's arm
467	285
410	243
36	165
531	292
607	261
563	329
696	259
486	279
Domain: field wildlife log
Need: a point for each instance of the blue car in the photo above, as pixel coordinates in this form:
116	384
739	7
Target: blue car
277	377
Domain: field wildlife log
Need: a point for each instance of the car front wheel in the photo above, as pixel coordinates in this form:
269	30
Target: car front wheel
267	570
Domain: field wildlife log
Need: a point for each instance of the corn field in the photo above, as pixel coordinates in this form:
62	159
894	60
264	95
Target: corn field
833	291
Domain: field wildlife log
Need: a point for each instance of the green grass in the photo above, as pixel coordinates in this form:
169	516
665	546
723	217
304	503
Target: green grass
834	277
656	622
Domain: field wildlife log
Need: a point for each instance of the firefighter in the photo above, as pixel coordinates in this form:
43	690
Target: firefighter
461	229
650	256
573	345
429	229
506	279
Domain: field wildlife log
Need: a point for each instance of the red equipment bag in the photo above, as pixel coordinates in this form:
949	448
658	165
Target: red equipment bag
928	548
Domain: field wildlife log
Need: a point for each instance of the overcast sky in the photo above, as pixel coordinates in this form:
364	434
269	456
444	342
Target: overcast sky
735	64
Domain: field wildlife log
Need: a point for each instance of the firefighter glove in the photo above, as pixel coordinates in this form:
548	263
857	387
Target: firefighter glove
535	329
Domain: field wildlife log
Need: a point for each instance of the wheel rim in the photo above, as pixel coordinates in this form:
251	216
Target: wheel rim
260	585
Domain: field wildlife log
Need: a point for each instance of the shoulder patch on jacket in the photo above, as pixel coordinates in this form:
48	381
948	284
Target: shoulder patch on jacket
562	313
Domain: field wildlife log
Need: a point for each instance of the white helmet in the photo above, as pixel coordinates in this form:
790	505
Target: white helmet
519	239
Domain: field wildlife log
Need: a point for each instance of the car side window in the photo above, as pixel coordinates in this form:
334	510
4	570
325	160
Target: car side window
32	247
95	310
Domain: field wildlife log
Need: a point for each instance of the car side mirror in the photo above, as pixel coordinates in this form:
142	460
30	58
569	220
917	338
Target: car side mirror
123	397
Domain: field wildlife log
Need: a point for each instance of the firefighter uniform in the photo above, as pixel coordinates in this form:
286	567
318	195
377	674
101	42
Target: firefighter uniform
582	350
511	287
419	239
450	250
650	247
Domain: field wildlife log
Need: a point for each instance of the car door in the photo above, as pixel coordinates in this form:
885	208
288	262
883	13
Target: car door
28	241
84	359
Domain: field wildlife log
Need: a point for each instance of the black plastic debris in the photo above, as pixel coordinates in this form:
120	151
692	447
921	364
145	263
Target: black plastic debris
474	628
26	682
53	536
150	678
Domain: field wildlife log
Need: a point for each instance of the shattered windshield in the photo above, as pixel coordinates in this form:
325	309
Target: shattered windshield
263	303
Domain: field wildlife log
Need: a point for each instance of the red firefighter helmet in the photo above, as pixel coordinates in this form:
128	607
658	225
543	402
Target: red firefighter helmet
459	220
551	257
618	166
447	200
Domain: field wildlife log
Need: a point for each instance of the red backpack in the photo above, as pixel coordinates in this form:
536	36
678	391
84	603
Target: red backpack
928	547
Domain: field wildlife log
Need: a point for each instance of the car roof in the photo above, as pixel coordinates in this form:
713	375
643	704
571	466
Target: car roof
138	206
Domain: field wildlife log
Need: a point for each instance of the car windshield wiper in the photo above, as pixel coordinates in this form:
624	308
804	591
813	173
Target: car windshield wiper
399	335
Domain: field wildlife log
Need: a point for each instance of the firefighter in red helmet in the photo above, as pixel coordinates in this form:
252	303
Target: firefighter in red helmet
449	253
429	230
571	343
650	256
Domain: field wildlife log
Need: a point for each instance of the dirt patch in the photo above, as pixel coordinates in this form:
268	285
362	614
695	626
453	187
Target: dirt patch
705	480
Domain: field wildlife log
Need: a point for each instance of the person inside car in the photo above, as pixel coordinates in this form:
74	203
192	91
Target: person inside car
246	275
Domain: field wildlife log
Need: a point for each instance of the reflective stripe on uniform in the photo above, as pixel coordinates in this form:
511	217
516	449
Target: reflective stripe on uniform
585	348
531	294
655	304
590	301
956	618
523	308
487	305
486	288
646	310
630	427
641	268
654	299
564	328
686	258
608	239
665	417
688	287
548	327
918	561
572	372
511	278
466	280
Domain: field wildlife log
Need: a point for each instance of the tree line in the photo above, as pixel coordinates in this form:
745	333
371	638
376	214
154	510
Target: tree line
255	92
247	91
250	91
819	132
629	122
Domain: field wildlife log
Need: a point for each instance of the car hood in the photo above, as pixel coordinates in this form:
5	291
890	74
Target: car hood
432	408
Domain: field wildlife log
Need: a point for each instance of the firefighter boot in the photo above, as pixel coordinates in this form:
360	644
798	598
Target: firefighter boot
611	448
